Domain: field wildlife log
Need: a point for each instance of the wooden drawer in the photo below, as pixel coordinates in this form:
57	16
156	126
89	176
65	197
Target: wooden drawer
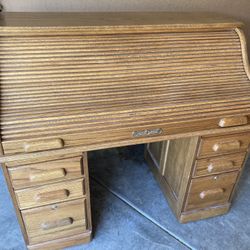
55	221
219	164
208	191
43	195
47	172
218	145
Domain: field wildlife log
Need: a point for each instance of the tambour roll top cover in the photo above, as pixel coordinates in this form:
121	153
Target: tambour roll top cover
83	81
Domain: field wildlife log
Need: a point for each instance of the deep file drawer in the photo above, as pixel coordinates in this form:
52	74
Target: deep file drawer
211	190
55	221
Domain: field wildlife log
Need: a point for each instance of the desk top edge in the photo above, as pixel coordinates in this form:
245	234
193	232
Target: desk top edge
99	21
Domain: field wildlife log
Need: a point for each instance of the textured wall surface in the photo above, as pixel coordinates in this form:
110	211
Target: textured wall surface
239	9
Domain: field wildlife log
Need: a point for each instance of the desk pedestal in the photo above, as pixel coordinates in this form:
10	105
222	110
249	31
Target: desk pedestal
198	175
52	201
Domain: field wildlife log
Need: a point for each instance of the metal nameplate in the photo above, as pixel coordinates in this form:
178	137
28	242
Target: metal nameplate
147	132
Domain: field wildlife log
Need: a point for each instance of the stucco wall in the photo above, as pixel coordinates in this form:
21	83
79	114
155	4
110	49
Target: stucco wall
239	9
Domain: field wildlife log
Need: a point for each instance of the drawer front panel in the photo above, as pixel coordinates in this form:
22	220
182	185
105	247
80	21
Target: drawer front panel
219	164
225	144
43	195
55	221
47	172
209	191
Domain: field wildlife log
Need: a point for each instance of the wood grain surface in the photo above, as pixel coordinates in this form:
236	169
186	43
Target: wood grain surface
76	82
225	144
219	164
211	190
96	90
110	22
91	91
55	221
51	193
29	175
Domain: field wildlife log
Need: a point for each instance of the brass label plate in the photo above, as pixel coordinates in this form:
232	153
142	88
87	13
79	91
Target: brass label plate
147	132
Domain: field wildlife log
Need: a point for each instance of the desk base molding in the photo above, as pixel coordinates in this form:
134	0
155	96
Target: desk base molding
204	213
64	242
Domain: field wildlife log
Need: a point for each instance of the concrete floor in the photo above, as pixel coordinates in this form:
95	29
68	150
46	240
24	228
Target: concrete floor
130	212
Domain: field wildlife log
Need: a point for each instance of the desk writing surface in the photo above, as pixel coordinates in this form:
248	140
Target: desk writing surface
97	90
110	22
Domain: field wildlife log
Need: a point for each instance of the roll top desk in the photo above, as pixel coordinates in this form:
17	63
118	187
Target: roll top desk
76	82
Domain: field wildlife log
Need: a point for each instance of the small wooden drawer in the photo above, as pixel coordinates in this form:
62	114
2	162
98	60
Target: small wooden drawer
43	195
55	221
47	172
209	191
219	164
218	145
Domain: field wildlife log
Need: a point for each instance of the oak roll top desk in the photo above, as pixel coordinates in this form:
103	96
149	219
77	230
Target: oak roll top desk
76	82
